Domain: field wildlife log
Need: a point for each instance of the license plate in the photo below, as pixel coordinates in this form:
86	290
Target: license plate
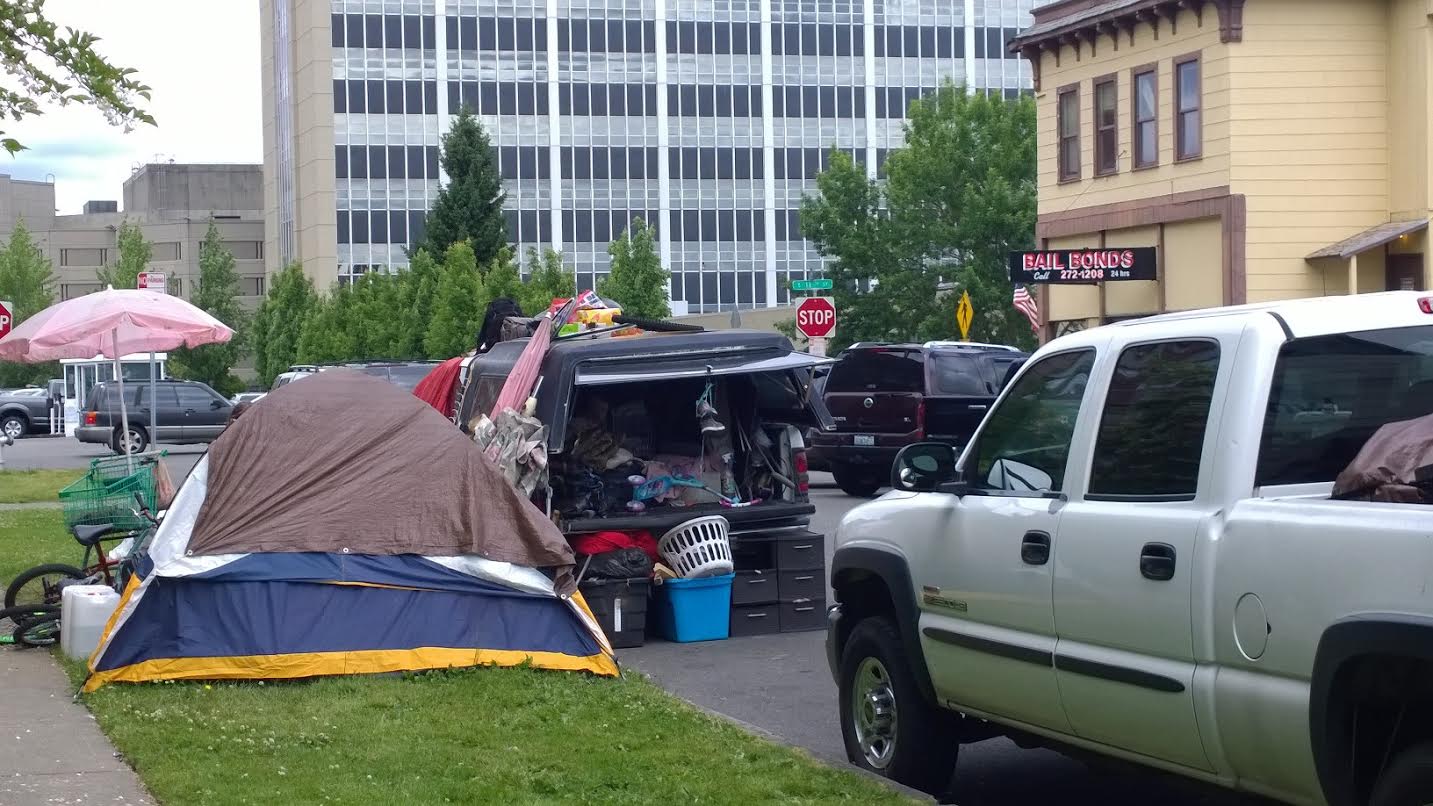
864	441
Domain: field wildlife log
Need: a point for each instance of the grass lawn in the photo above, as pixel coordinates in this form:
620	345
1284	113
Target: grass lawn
460	736
29	537
26	486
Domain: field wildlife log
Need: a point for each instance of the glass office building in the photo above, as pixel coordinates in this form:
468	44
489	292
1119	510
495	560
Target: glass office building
709	120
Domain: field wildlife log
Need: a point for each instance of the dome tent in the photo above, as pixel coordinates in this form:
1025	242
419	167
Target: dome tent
345	527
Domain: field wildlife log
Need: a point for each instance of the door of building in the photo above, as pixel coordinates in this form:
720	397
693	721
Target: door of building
1405	272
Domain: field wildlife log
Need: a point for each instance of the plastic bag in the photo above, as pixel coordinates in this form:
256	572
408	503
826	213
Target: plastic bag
628	563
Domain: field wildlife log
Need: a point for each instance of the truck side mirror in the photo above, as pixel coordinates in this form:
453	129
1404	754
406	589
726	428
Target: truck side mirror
924	467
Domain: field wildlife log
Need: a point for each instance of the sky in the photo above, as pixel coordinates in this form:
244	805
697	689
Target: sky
200	58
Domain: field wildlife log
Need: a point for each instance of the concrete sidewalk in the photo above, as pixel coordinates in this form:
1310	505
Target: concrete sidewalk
51	750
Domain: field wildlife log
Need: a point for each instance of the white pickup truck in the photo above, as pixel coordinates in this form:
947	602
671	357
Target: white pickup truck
1138	555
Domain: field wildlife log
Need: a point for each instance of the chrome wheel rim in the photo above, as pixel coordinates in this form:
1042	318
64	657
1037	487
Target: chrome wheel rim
12	428
873	712
130	442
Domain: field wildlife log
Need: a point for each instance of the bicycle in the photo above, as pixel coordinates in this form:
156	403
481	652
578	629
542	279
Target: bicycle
35	608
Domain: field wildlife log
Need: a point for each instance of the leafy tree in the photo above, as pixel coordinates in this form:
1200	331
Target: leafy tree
279	323
27	280
416	288
374	318
60	68
217	295
638	281
458	305
547	280
470	207
501	278
959	196
330	329
134	256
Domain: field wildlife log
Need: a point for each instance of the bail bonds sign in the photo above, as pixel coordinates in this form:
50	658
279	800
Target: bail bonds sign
1083	265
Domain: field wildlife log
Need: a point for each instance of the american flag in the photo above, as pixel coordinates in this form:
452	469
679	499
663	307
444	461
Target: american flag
1024	303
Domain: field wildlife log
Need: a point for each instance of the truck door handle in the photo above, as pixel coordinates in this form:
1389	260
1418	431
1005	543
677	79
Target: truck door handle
1035	548
1156	561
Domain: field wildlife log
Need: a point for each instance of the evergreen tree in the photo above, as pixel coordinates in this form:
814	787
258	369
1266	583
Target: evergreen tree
279	323
329	331
547	280
134	256
416	288
638	281
501	279
470	207
459	305
218	295
27	280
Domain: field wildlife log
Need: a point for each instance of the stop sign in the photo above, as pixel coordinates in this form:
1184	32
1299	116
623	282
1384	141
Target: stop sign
7	317
816	317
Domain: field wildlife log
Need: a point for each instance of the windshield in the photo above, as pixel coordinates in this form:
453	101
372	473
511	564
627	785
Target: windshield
407	377
878	370
1331	393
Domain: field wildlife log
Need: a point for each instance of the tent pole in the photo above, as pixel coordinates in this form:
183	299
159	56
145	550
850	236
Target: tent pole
123	410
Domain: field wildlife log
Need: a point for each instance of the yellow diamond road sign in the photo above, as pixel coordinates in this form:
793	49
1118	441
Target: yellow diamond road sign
964	312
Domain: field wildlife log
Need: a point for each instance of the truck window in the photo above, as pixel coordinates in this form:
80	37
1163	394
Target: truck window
1331	393
1025	442
884	370
956	374
1151	433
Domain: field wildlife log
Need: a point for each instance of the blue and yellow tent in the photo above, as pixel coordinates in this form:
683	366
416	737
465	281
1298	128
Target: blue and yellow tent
342	526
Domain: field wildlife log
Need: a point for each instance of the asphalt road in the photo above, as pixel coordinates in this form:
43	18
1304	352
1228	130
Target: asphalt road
48	453
781	684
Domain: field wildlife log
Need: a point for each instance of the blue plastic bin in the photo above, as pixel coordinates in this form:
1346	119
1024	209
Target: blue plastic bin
695	609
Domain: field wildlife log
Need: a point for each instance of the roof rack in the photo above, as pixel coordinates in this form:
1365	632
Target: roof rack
971	345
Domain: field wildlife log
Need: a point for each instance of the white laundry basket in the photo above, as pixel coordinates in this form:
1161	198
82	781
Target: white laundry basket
698	548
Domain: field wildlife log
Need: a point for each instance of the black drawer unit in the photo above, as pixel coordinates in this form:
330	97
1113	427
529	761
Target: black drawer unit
803	552
756	619
800	615
756	586
804	584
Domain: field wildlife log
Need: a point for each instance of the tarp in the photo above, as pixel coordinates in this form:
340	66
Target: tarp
1387	467
437	387
348	464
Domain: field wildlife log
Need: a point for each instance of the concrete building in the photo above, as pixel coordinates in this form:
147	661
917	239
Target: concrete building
708	119
1266	149
172	204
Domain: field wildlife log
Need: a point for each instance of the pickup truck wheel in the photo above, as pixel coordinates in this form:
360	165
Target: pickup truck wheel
856	482
887	725
1408	781
13	426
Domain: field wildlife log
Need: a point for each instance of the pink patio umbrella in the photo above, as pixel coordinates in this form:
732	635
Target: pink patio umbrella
112	323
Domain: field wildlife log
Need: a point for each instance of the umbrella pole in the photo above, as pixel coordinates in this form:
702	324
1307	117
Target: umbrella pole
153	398
123	410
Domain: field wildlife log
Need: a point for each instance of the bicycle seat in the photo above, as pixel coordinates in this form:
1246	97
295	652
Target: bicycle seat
92	534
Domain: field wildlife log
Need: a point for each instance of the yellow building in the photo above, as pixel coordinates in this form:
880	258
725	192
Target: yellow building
1267	149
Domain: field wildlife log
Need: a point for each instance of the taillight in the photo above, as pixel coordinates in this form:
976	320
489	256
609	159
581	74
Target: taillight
1425	304
92	418
803	475
920	420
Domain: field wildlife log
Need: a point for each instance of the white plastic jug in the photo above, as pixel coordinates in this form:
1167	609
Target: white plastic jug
84	610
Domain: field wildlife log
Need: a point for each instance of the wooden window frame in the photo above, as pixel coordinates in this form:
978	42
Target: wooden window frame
1134	122
1096	128
1060	138
1179	151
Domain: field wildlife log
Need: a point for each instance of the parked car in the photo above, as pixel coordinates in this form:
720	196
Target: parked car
884	397
403	374
24	411
247	397
294	373
189	412
1139	555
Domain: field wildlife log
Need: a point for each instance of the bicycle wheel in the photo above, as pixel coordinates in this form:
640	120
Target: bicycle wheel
38	631
40	585
17	614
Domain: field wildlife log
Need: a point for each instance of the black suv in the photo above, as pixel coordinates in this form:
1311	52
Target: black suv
189	412
884	397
